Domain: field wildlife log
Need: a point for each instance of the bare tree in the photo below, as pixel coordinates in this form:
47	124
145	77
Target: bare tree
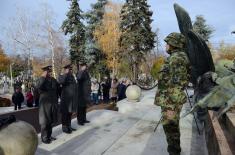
157	42
53	39
34	34
23	35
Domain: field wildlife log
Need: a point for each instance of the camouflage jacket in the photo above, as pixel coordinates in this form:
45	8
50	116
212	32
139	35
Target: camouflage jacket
173	78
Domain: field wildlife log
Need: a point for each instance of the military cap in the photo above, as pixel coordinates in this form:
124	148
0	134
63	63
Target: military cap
176	40
47	68
67	66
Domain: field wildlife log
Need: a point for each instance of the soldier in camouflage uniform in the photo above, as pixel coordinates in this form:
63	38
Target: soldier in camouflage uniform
173	78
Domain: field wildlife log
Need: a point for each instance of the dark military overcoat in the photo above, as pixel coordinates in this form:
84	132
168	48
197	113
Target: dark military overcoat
84	88
68	94
48	101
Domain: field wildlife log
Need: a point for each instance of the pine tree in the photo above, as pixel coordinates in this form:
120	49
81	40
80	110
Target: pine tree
137	38
200	26
73	25
94	18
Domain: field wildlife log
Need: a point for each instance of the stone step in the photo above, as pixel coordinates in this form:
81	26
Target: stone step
105	129
94	116
141	139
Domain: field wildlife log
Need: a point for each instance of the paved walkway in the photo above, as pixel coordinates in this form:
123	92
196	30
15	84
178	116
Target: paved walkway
130	131
4	110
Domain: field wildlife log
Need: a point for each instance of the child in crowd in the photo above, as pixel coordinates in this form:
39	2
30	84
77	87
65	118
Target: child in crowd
17	98
29	99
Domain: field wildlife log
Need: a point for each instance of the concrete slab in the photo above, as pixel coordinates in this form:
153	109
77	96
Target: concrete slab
192	143
4	110
128	131
140	139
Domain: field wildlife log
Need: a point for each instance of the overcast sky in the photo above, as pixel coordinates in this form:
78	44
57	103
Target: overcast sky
219	14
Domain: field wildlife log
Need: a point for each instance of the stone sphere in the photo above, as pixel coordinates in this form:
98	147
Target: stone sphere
18	138
133	93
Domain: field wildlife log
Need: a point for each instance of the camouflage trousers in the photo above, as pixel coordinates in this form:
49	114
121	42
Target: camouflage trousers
172	132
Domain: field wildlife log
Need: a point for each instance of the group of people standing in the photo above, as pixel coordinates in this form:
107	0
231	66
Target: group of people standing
31	97
74	93
108	90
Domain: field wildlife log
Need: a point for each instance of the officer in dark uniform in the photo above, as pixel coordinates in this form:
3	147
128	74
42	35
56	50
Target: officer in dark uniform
68	102
48	103
84	92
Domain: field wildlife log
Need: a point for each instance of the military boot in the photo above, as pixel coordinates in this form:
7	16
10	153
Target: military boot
66	129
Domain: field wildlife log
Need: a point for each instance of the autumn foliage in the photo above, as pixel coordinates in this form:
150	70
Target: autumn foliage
225	52
157	66
107	35
4	60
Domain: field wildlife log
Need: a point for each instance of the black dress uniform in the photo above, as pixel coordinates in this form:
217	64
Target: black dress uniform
48	105
68	103
84	94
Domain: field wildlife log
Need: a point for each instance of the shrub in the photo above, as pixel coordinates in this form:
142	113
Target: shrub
157	66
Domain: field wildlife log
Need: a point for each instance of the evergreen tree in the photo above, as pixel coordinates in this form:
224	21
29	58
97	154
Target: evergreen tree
73	25
95	55
94	16
137	38
200	26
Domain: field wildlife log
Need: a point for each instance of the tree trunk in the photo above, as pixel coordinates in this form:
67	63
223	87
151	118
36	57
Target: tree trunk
52	51
135	74
52	56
